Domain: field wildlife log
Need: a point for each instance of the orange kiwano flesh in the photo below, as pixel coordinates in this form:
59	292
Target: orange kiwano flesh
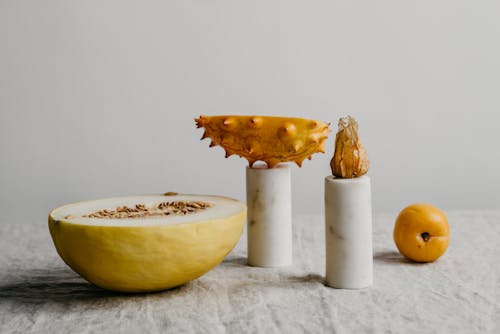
421	232
266	138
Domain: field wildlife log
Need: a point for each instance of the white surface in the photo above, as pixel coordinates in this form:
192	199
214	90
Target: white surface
269	216
460	293
97	98
222	207
348	232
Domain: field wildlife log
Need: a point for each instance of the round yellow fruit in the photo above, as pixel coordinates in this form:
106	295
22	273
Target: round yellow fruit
421	232
146	243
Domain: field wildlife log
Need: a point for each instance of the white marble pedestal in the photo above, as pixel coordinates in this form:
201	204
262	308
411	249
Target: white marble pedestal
348	230
269	216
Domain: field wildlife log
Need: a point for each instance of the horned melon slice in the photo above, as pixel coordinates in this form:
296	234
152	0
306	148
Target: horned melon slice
146	243
270	139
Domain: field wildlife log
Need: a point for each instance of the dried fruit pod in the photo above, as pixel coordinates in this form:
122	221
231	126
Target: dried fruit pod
266	138
350	158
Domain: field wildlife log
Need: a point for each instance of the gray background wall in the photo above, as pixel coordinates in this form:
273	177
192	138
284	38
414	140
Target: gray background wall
97	98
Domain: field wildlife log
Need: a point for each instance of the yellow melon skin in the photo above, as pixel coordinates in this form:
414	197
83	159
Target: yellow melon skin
145	258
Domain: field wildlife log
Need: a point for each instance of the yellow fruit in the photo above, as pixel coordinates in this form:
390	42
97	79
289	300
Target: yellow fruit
350	159
266	138
421	232
146	243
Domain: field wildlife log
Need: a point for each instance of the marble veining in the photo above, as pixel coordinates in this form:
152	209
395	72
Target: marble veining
348	222
269	216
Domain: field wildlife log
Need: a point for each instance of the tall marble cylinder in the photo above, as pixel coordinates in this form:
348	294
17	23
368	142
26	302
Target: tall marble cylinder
348	230
269	216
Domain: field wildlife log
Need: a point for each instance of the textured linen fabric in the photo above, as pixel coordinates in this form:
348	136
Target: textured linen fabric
460	293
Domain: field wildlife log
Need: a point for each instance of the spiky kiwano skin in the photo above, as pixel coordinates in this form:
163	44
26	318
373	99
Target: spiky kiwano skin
266	138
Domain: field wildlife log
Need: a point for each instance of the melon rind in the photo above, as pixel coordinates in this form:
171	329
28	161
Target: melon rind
148	256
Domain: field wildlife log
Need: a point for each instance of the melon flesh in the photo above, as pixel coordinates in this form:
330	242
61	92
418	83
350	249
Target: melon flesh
149	253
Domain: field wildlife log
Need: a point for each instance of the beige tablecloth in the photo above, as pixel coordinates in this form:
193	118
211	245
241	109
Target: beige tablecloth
460	293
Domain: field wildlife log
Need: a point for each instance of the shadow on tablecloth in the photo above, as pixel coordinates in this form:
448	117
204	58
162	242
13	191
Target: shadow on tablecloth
35	286
392	257
60	285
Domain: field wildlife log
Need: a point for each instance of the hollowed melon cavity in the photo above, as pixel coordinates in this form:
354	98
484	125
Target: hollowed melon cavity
143	210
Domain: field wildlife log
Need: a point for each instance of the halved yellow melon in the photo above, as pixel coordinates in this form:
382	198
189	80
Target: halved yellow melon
146	243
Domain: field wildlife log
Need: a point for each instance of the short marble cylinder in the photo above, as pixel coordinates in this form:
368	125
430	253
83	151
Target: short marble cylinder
348	231
269	216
